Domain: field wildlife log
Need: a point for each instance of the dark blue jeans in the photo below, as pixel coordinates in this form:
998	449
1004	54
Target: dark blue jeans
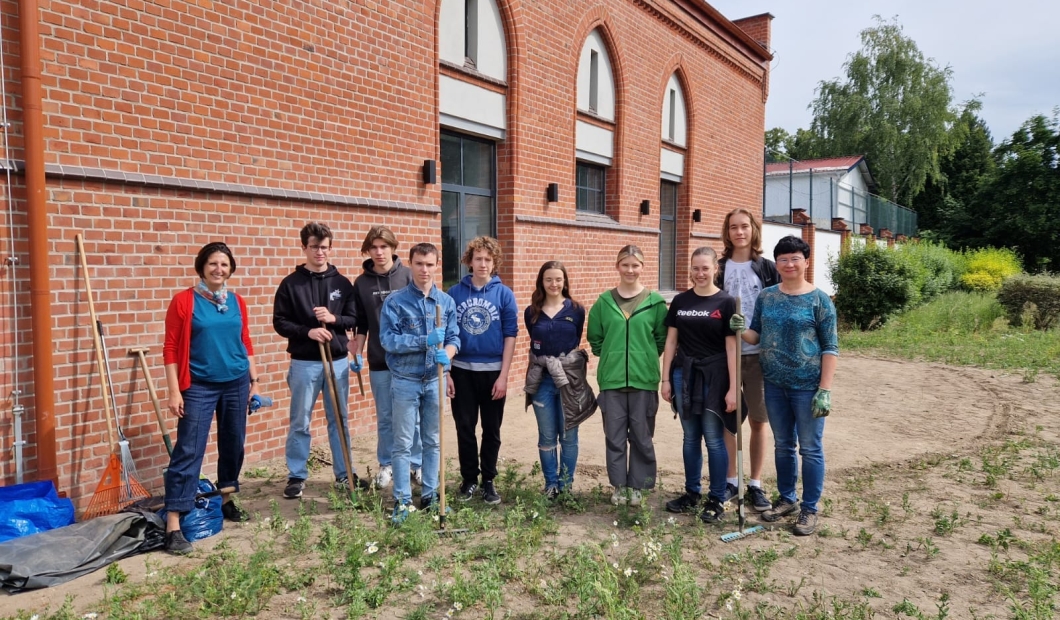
201	400
699	430
791	418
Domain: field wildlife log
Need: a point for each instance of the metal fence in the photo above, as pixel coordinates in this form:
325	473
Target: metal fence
824	198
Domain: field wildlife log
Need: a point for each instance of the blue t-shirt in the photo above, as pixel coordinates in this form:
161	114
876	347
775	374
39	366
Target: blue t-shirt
217	353
795	330
556	335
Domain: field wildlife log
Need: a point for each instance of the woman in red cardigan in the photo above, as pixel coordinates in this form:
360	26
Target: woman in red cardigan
209	368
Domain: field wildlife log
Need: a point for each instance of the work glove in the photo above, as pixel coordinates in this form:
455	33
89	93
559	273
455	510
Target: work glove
737	323
441	357
436	336
822	403
358	363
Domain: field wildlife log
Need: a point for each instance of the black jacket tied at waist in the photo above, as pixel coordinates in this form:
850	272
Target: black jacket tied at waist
570	374
711	373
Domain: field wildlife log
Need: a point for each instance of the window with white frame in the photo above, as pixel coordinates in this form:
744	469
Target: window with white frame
471	34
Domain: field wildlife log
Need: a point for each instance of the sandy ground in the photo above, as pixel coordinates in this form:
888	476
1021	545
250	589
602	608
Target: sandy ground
886	413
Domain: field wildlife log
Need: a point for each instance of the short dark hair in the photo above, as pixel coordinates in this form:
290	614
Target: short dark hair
792	245
209	250
315	229
424	249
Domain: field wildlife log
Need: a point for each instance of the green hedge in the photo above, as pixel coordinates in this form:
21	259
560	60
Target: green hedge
987	268
872	284
1031	300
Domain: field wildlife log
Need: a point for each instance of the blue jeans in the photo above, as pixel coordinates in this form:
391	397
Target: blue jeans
384	421
791	418
415	404
306	380
711	430
201	400
558	469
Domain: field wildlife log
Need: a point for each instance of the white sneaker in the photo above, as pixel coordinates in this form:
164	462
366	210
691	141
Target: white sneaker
417	475
634	497
385	475
619	496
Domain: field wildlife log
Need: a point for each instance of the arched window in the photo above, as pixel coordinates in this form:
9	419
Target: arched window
594	140
671	172
472	36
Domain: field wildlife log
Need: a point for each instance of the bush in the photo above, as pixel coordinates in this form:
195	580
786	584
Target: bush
987	268
1031	299
938	267
872	284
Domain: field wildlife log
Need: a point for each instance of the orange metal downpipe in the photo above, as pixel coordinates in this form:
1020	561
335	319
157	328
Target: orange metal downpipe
37	219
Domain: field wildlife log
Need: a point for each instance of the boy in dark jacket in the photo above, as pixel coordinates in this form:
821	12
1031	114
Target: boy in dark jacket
315	304
383	274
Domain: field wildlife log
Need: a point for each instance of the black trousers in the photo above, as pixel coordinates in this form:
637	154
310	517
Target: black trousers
474	397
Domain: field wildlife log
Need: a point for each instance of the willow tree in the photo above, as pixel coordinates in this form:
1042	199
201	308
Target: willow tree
893	107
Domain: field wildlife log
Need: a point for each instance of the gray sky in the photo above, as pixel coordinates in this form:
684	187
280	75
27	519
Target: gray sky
1008	51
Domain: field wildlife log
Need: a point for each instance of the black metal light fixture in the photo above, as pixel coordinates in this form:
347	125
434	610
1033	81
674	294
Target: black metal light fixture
645	207
552	193
430	172
697	216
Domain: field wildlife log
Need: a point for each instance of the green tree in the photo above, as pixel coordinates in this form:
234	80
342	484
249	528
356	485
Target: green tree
1019	207
893	107
942	205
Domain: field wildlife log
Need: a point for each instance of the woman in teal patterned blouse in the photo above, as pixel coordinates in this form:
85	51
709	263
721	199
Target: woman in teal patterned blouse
795	326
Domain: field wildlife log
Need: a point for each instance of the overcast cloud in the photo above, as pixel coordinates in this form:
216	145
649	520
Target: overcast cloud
1007	51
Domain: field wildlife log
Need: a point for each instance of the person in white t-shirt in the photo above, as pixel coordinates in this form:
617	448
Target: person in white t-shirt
744	272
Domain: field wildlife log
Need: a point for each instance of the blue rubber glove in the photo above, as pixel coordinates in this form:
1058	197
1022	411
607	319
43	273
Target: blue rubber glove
436	336
358	363
737	323
441	357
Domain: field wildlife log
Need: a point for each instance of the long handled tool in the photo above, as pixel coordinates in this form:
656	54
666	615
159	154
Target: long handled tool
128	465
441	438
340	418
740	510
141	352
113	493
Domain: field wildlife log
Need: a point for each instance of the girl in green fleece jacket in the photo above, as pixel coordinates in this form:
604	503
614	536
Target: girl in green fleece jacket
627	331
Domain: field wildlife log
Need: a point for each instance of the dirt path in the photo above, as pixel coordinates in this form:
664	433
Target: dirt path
886	413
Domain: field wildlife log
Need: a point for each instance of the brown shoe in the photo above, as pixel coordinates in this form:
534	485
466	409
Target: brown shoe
805	524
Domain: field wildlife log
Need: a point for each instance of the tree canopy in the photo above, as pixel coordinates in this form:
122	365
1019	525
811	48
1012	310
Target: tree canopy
893	107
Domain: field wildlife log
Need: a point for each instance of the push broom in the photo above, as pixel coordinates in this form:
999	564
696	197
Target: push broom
118	488
740	510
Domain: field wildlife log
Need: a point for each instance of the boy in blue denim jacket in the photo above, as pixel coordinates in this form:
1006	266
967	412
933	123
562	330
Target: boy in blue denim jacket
408	334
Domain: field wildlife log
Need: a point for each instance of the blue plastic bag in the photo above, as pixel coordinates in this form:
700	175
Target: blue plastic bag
205	519
31	508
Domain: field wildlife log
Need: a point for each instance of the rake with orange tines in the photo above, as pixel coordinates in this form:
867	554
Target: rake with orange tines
118	488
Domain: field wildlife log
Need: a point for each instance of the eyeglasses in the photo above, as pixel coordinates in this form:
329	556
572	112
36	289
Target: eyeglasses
320	248
795	260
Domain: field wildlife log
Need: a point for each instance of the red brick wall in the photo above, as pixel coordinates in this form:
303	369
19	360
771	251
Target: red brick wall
336	98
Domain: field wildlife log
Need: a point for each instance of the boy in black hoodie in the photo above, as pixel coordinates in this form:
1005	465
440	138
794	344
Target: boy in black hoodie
383	274
315	304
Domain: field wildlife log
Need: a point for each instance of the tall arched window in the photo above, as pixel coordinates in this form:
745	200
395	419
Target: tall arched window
671	172
594	132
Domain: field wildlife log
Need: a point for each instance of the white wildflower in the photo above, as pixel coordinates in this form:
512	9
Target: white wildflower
150	574
533	515
437	518
301	599
35	617
736	594
671	521
90	616
233	597
615	523
411	508
629	572
458	605
614	565
728	604
420	573
371	548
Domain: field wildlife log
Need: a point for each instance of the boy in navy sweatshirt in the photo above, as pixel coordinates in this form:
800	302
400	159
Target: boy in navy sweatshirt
488	319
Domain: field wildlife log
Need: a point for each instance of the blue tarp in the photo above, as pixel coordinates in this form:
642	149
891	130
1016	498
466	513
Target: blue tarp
32	508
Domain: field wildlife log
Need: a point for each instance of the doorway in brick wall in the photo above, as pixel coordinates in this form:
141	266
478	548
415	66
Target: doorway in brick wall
668	236
469	205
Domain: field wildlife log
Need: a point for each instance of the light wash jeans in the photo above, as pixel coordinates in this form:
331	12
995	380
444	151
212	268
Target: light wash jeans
557	449
415	403
384	422
306	380
699	430
792	421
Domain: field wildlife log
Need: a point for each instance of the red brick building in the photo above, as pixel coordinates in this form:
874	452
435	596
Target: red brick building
567	129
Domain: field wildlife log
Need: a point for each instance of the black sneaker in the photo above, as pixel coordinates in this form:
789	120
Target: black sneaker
683	504
551	493
177	544
781	508
294	488
428	502
805	524
712	511
489	494
467	491
756	498
234	513
361	485
730	492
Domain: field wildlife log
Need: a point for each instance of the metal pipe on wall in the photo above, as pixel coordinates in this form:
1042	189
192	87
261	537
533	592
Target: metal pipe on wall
37	223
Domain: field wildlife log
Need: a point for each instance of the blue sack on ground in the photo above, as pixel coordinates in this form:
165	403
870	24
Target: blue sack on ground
205	519
31	508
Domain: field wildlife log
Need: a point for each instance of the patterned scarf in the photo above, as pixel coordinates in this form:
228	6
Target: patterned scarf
219	299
